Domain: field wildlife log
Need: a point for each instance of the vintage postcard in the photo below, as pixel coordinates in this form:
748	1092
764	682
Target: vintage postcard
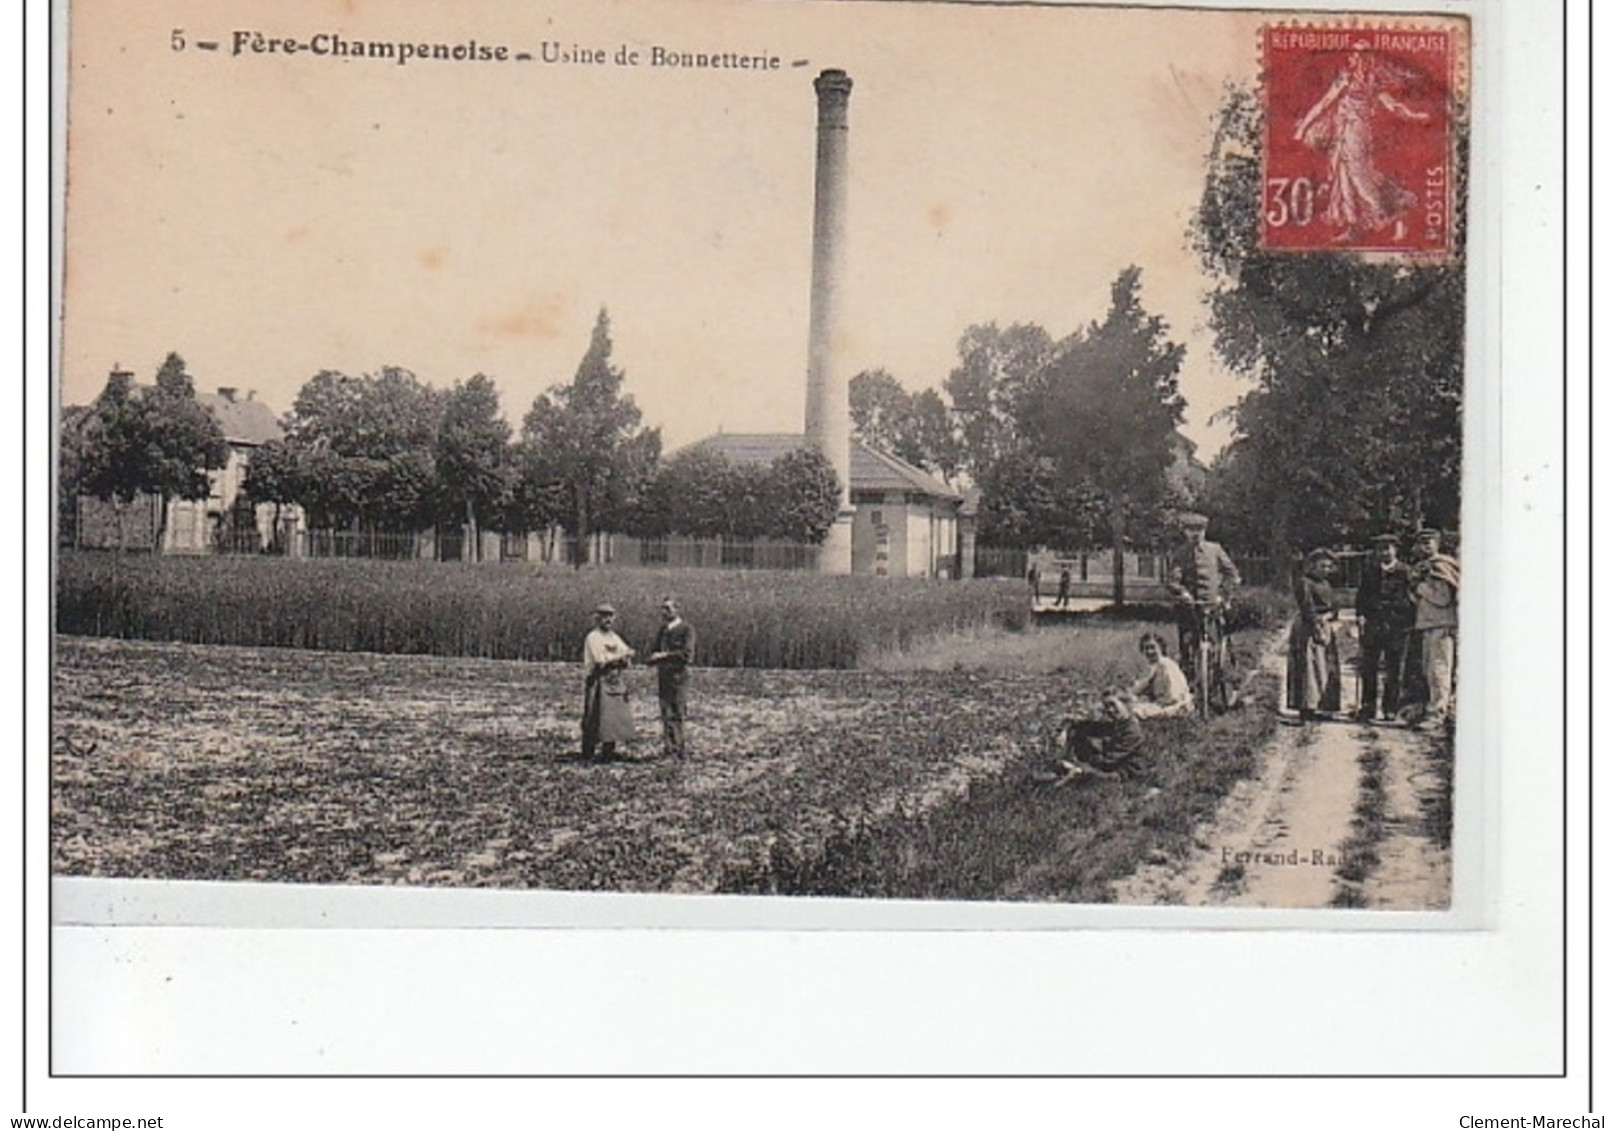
1004	459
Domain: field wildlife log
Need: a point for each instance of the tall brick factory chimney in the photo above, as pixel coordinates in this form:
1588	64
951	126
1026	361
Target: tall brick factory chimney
827	423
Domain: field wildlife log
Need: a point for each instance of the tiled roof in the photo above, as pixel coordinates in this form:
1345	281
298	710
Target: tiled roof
872	470
243	420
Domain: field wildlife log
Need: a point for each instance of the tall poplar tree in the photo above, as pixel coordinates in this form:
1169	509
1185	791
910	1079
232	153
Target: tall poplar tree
1106	413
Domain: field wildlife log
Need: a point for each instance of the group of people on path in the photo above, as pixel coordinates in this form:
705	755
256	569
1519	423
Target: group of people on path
608	719
1408	639
1408	615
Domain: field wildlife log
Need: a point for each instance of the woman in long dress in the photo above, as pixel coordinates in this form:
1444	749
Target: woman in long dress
1313	684
608	720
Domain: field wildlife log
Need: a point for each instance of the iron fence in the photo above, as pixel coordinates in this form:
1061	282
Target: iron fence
387	545
714	553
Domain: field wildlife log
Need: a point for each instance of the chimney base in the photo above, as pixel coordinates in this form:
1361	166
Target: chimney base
835	552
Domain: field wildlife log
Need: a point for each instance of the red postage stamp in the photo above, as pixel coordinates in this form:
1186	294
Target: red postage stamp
1358	149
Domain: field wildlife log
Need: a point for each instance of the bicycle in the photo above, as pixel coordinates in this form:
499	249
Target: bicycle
1207	643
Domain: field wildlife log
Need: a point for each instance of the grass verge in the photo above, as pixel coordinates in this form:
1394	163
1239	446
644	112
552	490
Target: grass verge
1007	838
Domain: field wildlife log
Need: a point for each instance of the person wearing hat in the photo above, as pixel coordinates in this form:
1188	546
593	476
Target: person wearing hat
608	719
1200	576
1385	608
1434	580
1312	686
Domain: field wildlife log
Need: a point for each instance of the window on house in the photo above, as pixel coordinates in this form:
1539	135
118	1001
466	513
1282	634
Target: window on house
875	518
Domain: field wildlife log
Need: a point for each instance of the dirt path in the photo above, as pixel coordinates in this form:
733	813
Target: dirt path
1415	869
1286	837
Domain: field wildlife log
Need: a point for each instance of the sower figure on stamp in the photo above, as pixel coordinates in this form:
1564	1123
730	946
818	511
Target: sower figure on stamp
671	654
1435	622
1062	599
608	719
1200	576
1385	608
1363	198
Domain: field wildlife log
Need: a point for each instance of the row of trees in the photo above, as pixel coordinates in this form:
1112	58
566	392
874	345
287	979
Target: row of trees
1350	424
1071	441
387	452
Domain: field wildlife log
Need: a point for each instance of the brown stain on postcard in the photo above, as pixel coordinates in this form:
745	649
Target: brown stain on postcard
540	318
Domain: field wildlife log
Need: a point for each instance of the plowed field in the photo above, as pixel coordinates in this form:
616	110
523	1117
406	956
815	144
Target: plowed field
204	762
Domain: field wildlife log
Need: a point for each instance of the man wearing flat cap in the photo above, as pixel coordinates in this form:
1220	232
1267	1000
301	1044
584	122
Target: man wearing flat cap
1434	581
1200	576
1385	608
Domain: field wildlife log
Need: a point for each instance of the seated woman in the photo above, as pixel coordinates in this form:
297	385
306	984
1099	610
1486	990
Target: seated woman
1164	692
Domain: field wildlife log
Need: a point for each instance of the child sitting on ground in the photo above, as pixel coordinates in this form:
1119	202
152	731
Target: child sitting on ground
1109	745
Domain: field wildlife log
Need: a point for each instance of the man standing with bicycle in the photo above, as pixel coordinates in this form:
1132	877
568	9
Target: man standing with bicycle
1200	577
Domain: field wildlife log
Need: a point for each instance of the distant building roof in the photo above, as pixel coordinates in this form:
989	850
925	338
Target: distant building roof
872	469
244	420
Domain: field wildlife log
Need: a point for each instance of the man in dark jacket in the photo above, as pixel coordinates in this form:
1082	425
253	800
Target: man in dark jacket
671	654
1385	608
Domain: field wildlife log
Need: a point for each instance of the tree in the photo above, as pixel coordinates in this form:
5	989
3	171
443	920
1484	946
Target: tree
989	390
1106	413
703	494
274	475
364	450
1025	501
583	443
914	427
473	465
1352	423
159	441
186	440
628	483
990	393
801	497
71	455
693	492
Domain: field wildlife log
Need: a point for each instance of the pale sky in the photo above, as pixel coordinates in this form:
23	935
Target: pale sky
268	217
